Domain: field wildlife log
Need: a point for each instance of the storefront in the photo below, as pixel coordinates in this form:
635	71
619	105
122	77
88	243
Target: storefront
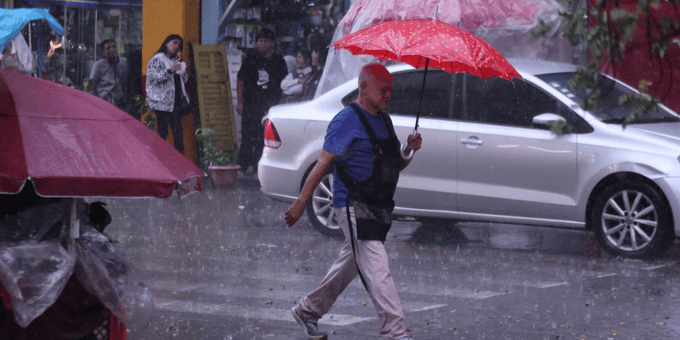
295	22
86	24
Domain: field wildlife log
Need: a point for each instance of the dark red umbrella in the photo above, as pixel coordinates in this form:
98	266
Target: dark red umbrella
72	144
429	43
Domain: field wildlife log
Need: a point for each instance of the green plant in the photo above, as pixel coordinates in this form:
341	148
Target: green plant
211	154
148	119
87	85
610	37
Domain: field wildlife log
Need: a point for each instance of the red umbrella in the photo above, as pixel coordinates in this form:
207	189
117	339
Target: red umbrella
70	143
429	42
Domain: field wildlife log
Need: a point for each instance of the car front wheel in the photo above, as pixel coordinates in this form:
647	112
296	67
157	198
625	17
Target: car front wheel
631	219
320	208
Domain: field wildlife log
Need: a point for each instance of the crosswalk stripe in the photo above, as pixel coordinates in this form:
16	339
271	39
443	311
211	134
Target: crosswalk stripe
550	284
249	312
205	308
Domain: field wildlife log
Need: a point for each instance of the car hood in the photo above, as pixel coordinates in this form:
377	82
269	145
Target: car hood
669	132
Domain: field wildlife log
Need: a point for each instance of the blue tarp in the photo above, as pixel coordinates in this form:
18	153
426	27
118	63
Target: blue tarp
86	3
13	20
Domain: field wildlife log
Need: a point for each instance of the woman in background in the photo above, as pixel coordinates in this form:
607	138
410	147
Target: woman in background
319	53
165	93
292	84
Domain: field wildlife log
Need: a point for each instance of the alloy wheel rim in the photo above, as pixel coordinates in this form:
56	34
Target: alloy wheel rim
629	220
322	203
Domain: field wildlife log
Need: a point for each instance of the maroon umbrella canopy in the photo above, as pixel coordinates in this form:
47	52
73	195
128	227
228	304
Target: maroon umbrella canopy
70	143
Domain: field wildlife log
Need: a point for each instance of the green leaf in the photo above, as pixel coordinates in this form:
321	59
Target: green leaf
643	5
560	127
625	22
212	155
541	30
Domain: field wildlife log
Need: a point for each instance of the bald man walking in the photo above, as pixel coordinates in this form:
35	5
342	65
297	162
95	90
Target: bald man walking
368	157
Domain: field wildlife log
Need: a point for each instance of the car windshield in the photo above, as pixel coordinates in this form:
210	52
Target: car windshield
608	110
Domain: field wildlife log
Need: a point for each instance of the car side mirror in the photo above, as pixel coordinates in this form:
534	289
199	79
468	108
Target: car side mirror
546	118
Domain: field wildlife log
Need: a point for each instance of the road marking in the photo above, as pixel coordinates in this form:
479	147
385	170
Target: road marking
658	266
270	246
425	308
550	284
601	275
204	308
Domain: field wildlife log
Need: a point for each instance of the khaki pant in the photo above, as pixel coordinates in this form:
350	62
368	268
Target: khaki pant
372	261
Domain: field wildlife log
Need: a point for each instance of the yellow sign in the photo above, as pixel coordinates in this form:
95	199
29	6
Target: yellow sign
215	106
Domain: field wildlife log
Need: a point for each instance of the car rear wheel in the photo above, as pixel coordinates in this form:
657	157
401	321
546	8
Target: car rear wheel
320	208
631	219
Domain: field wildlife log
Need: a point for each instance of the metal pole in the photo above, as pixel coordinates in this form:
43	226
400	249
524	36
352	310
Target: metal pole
94	50
63	40
39	42
75	222
120	29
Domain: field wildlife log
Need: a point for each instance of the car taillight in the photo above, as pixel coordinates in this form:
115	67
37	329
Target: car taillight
271	137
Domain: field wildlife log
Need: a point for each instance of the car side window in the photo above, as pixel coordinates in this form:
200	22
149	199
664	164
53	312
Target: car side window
437	97
512	103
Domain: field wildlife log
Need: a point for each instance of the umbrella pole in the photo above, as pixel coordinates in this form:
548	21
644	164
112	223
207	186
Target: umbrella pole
75	222
422	92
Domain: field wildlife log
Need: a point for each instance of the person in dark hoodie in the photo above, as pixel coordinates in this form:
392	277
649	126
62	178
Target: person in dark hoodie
258	87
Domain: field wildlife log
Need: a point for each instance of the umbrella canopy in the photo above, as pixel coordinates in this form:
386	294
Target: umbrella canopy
423	42
73	144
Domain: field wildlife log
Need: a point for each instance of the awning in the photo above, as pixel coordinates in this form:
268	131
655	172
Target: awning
12	21
87	3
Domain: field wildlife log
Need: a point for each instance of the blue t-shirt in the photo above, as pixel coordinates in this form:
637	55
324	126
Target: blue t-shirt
347	138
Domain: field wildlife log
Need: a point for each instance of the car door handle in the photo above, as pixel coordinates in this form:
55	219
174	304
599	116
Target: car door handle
473	141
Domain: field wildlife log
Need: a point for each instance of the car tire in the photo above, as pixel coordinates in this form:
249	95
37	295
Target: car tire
320	208
633	220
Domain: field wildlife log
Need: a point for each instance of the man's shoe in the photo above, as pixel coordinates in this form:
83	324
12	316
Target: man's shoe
309	328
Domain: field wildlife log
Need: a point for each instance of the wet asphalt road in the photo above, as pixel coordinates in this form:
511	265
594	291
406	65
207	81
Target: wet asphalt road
222	265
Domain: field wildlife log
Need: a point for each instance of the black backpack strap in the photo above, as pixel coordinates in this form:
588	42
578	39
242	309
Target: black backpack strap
364	122
344	177
388	123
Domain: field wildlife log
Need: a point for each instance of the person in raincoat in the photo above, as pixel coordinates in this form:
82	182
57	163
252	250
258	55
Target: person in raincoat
368	157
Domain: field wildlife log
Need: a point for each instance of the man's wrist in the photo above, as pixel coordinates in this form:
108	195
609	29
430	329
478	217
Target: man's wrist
169	71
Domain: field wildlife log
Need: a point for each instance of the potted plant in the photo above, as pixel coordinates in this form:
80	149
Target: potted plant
220	163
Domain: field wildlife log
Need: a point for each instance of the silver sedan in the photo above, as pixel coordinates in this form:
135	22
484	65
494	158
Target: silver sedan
489	155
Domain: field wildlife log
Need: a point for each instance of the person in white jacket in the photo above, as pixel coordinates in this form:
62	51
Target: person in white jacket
165	92
292	84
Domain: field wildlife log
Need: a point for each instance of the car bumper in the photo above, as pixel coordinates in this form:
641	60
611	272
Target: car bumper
277	180
671	188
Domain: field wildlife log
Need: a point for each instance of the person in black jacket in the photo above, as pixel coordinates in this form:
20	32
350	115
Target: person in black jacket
258	87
